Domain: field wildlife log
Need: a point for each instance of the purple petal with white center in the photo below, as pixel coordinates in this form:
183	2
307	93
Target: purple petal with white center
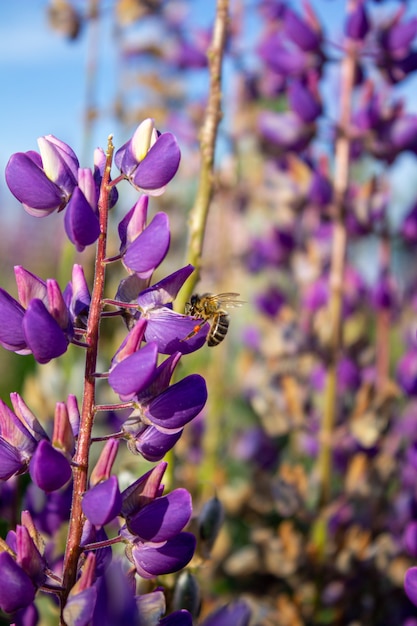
10	460
43	335
81	222
29	286
77	296
153	445
103	502
30	185
169	330
16	590
410	584
59	162
133	223
49	468
171	556
87	186
160	164
149	248
165	291
163	518
12	336
178	405
134	373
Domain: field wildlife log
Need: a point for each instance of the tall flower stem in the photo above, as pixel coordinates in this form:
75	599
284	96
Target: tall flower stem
208	135
80	472
338	261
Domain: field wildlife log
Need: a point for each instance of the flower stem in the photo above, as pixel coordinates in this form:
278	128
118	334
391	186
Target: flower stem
80	472
208	135
338	261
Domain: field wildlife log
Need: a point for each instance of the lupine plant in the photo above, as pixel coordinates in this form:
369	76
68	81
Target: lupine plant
43	320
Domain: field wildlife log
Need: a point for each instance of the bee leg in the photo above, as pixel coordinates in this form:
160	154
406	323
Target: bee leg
195	330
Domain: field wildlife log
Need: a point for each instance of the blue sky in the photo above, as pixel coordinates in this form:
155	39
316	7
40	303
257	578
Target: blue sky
43	77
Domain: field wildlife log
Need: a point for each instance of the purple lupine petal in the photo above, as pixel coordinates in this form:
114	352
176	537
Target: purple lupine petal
410	584
300	32
30	185
77	296
164	291
29	286
87	186
59	162
49	468
160	164
179	404
237	614
14	431
102	502
12	336
79	608
149	248
10	460
357	23
153	445
177	618
26	416
16	589
81	222
410	539
173	555
407	372
143	490
135	372
163	518
133	223
303	102
28	555
282	60
43	335
131	343
163	375
284	130
169	330
66	169
151	607
56	305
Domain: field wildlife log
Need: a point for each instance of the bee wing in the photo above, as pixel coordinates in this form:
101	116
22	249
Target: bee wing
228	299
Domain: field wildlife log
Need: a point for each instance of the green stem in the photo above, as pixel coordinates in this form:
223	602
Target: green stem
208	135
80	471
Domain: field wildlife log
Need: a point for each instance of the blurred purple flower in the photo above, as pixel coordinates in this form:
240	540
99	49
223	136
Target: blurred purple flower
357	23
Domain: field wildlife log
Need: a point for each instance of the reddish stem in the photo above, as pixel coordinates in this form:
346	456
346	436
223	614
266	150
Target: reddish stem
80	471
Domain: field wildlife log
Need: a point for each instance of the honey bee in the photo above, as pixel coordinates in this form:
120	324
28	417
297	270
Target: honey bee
209	307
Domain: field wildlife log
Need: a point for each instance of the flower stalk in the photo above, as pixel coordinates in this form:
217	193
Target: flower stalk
80	473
